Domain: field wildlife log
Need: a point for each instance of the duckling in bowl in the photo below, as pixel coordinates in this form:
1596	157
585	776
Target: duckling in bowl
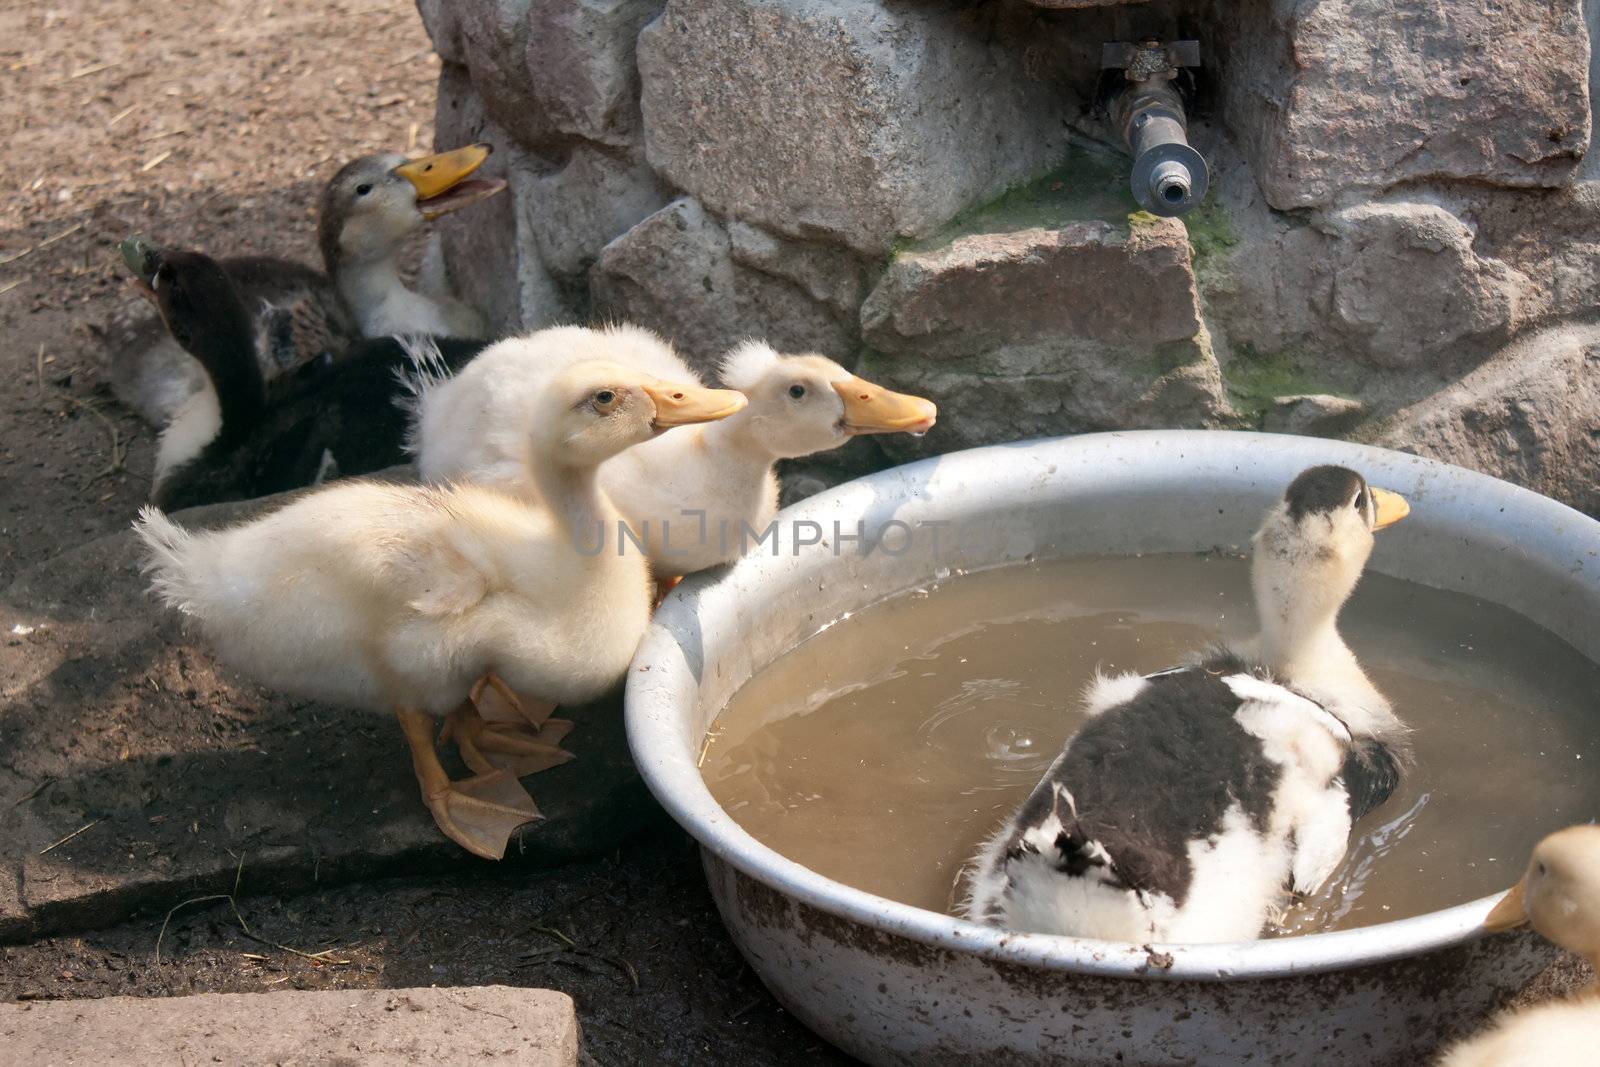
689	498
1196	799
235	441
385	597
365	213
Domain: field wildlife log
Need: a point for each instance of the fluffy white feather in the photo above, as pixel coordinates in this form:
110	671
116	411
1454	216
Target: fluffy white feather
747	364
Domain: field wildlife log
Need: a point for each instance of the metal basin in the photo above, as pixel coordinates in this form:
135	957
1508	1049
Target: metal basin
896	984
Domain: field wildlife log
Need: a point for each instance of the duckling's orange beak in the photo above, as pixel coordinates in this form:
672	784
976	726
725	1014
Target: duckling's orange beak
441	180
683	405
1510	912
1388	508
870	408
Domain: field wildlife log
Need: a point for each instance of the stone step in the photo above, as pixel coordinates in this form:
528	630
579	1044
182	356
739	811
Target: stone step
357	1028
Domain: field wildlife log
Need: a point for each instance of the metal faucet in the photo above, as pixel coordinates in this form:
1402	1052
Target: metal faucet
1169	177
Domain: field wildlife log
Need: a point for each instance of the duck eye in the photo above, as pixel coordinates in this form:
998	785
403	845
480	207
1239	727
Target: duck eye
1540	869
363	189
797	391
604	396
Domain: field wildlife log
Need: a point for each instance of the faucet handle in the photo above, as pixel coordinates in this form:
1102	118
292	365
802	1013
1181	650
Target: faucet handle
1149	58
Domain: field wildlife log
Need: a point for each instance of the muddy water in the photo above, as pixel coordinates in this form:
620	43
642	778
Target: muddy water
882	751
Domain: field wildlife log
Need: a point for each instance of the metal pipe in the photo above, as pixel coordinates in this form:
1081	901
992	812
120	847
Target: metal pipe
1169	177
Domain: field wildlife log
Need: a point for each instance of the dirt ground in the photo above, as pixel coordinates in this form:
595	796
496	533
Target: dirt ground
634	939
205	123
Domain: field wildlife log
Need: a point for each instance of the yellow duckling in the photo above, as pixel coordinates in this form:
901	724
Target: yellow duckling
1560	896
399	598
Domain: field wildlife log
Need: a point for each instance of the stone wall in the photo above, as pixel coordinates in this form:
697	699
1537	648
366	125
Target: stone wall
1402	242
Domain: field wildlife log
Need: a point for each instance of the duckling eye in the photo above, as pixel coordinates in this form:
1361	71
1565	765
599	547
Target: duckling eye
1539	867
604	397
797	391
363	189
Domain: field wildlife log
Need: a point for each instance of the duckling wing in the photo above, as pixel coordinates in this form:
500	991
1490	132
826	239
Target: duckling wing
294	332
442	579
301	322
1371	775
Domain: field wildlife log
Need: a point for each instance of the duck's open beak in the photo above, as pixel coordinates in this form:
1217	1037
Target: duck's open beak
441	180
1388	508
871	408
1510	913
683	405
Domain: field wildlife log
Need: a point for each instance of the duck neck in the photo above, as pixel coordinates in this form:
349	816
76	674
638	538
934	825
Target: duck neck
1295	644
736	448
369	283
229	358
574	496
1300	644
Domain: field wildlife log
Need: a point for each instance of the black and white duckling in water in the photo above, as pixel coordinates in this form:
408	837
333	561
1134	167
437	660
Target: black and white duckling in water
365	213
1196	799
398	598
1559	896
688	497
231	441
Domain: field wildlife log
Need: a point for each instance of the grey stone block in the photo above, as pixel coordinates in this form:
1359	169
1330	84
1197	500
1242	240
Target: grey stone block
852	120
358	1027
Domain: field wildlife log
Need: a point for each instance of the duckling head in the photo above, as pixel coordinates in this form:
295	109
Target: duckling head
373	203
196	298
803	404
596	409
1309	553
1559	894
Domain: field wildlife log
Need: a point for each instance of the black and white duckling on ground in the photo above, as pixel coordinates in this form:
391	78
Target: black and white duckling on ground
365	213
400	597
1196	799
1559	896
231	441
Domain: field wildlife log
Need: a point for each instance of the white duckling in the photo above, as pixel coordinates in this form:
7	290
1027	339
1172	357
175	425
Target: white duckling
1560	896
365	213
1195	799
695	499
400	597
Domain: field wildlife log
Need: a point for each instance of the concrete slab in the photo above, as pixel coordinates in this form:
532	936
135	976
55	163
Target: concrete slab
135	772
359	1028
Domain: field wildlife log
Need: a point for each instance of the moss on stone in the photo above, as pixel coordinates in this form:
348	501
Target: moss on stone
1087	186
1254	379
1211	234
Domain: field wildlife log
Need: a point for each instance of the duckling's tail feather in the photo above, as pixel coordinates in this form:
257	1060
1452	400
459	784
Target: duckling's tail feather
427	371
170	561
